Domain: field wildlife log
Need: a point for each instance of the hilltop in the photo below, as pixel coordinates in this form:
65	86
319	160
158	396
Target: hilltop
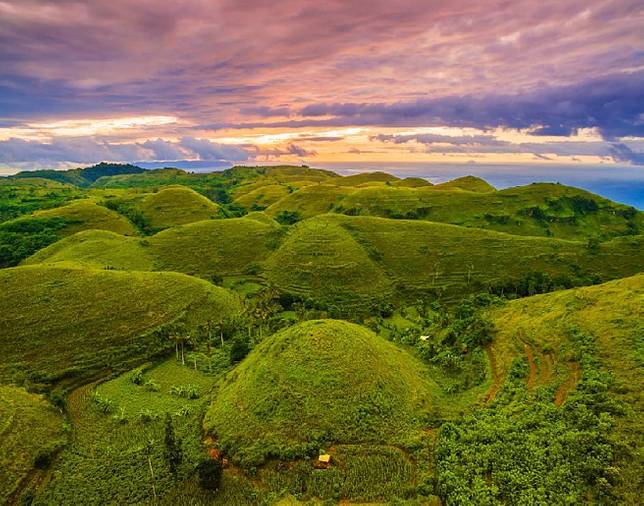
82	177
177	205
302	389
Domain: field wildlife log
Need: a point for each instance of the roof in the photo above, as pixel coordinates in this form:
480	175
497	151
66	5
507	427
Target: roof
325	458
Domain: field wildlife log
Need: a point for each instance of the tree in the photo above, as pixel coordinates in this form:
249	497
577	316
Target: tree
173	452
239	349
210	471
264	305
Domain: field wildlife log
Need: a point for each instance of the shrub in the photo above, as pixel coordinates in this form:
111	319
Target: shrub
209	472
152	386
238	350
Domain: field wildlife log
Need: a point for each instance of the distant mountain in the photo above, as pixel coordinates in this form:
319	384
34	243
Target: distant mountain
85	176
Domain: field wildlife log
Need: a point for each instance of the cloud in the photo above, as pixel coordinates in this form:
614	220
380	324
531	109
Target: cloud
290	149
613	105
478	144
208	150
89	150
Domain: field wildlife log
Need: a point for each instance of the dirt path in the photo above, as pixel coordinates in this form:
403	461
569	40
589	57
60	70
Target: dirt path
496	379
571	381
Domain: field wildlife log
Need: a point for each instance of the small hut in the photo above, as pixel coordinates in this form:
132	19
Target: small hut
323	461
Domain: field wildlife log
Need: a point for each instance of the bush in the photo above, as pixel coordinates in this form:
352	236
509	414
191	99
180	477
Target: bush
238	350
152	386
288	217
209	471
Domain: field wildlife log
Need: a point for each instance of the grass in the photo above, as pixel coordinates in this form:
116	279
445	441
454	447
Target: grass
31	431
215	248
177	205
355	260
302	390
467	183
98	249
85	215
611	315
537	210
24	196
423	256
64	322
320	259
110	453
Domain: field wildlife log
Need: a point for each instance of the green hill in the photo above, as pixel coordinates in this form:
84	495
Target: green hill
98	249
23	196
215	247
543	209
357	260
320	259
468	183
87	214
365	178
566	400
31	432
304	389
412	182
82	177
67	322
177	205
24	236
147	178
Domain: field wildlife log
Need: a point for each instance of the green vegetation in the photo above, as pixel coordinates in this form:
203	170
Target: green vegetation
177	205
31	433
65	323
471	368
302	390
82	177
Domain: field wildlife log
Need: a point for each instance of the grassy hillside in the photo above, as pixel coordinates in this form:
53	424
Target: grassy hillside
570	369
417	255
365	178
31	430
99	249
215	248
86	215
82	177
23	236
539	209
609	316
360	260
302	390
177	205
467	183
64	321
24	196
320	259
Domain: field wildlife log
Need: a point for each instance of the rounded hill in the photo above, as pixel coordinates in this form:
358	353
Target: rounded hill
62	322
177	205
316	383
320	258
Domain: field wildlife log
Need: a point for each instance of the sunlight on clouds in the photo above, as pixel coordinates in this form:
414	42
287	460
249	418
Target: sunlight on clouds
103	126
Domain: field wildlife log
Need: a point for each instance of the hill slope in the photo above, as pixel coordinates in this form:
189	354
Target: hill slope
177	205
303	388
539	209
32	430
322	260
66	321
579	355
82	177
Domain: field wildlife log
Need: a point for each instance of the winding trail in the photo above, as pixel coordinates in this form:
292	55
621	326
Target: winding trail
571	381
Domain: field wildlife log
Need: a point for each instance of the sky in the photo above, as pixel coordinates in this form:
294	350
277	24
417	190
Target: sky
533	88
